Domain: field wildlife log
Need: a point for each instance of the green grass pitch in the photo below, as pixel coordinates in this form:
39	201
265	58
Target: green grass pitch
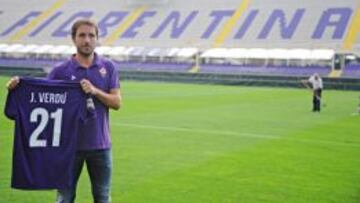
185	143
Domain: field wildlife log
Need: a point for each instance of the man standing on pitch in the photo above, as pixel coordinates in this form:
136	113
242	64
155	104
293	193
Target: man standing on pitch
98	78
316	85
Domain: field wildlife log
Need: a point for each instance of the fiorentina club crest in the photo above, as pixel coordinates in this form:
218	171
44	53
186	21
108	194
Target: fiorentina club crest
102	72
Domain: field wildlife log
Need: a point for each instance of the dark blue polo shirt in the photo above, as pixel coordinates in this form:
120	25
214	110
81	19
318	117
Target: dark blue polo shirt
94	134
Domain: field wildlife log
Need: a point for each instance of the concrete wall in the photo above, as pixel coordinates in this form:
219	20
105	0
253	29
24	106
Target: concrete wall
205	78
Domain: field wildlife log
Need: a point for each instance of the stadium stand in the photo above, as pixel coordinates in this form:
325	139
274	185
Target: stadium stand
227	37
352	70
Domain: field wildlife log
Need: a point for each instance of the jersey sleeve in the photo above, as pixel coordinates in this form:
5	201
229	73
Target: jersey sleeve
57	72
10	105
114	77
52	74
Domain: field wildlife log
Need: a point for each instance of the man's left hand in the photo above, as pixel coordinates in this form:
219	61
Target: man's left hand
88	87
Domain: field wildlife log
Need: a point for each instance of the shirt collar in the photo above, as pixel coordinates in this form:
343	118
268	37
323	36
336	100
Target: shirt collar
96	61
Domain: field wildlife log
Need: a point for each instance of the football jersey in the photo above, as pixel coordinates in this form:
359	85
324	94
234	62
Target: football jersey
47	115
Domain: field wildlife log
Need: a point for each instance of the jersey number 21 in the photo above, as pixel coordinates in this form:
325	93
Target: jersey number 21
41	115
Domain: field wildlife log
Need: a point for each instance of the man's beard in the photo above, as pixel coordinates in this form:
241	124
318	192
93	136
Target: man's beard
85	53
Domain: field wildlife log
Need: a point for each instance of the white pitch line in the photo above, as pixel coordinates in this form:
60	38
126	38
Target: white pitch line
240	134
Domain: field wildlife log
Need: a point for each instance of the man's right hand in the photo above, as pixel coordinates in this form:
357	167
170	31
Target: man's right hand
12	83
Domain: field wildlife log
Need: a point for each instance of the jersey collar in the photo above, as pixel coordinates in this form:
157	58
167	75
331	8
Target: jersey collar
96	62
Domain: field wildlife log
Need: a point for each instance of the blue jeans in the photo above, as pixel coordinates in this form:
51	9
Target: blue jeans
99	165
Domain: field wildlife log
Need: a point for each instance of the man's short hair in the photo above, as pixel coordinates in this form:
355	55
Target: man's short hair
81	22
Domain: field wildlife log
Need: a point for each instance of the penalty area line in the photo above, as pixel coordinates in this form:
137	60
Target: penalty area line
238	134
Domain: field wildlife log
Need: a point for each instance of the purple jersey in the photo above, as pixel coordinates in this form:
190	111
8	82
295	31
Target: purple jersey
47	117
102	73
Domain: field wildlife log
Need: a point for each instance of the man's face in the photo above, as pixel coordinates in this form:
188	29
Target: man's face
85	40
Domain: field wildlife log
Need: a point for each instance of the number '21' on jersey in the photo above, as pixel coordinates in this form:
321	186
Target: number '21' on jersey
47	117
